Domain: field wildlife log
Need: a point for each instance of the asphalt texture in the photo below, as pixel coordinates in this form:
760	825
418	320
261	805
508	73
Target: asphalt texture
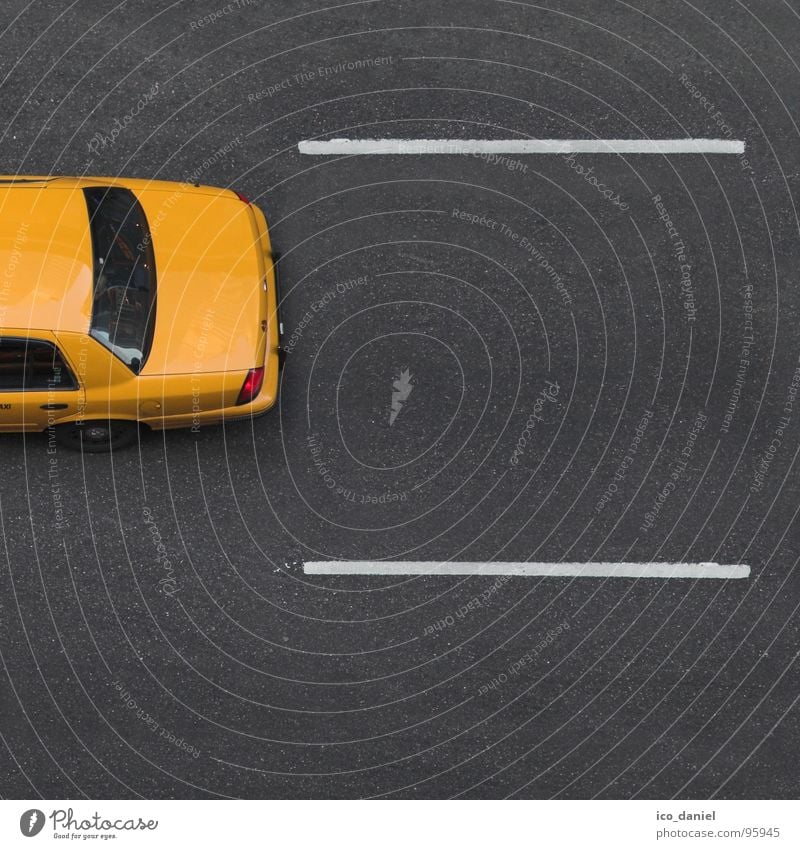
562	330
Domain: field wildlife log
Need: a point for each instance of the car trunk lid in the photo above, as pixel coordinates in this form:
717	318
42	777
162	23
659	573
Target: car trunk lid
210	301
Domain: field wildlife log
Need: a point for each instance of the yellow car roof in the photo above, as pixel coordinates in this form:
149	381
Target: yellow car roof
45	257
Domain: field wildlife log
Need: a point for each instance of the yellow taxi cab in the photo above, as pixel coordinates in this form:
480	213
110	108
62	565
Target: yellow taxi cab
130	303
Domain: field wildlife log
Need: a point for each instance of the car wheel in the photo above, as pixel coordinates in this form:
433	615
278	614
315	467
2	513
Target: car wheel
97	437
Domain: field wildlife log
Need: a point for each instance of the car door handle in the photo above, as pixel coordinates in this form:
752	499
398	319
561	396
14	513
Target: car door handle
54	406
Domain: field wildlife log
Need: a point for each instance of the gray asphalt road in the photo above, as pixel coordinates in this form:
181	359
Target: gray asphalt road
214	667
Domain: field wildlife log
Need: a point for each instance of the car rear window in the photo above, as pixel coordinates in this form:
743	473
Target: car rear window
124	301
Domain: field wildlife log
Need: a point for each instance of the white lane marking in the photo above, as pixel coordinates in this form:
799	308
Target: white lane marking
352	147
550	570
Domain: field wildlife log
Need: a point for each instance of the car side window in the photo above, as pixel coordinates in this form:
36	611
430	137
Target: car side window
32	364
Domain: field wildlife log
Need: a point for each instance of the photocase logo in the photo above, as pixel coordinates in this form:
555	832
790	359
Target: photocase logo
401	390
31	822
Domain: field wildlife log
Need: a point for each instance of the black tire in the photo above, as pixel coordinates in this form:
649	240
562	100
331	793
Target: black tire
97	437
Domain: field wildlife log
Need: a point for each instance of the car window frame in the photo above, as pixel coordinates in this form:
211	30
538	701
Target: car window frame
76	386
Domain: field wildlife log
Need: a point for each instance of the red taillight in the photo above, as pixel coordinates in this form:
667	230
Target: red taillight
242	198
251	386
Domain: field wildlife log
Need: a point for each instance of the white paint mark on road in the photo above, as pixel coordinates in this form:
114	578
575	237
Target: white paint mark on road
354	147
545	570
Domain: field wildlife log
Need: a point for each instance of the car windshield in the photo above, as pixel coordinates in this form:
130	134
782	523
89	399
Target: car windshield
124	301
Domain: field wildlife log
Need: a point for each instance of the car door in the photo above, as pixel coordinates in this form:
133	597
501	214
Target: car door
38	388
